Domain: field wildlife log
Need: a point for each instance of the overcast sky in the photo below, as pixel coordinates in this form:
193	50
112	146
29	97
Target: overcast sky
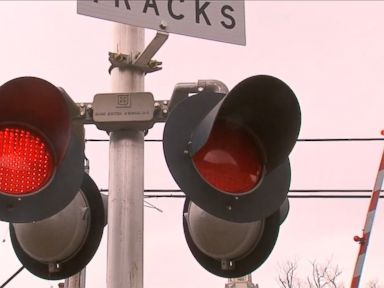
331	55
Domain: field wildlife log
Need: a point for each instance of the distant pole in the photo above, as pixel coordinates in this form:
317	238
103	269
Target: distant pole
241	282
126	176
364	240
76	281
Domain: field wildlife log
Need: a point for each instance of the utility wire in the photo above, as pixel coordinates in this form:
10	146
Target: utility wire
294	193
298	140
290	191
289	196
13	276
339	139
338	196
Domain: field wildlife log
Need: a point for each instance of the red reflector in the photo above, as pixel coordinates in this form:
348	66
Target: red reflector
26	161
230	160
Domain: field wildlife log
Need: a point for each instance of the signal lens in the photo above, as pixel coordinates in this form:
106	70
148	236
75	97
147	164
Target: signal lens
26	161
230	160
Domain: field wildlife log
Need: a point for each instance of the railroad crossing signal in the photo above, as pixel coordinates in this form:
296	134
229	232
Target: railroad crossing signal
229	155
42	150
227	151
55	210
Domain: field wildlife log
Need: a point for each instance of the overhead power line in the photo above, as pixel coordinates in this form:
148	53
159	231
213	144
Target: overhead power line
13	276
299	140
290	191
289	196
339	139
293	193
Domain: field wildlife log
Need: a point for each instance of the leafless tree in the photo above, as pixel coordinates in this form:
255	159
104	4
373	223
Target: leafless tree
321	276
287	277
374	284
324	276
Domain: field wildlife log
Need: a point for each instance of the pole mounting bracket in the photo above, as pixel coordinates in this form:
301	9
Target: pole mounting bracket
143	61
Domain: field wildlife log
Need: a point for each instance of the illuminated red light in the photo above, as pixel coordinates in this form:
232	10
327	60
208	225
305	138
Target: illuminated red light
230	160
26	161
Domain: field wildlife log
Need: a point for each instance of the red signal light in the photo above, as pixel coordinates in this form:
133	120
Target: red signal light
230	160
41	150
26	161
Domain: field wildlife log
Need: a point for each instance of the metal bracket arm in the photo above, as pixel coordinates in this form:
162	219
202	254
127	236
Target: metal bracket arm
182	90
143	61
85	113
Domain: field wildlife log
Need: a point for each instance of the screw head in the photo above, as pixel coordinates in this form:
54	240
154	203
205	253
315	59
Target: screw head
163	24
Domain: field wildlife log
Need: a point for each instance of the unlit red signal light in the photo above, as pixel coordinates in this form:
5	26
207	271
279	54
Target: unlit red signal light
26	161
228	152
233	166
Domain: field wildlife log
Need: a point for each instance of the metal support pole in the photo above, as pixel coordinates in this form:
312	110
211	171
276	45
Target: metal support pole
126	176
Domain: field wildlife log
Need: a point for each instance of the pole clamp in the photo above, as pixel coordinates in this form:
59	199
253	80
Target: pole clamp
142	61
124	61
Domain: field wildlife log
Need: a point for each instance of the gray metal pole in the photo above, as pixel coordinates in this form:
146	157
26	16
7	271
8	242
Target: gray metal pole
76	281
126	176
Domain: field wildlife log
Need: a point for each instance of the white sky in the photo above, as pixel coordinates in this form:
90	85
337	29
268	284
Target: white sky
330	53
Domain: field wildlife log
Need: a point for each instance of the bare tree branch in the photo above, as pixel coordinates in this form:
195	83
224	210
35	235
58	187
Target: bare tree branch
287	276
322	276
